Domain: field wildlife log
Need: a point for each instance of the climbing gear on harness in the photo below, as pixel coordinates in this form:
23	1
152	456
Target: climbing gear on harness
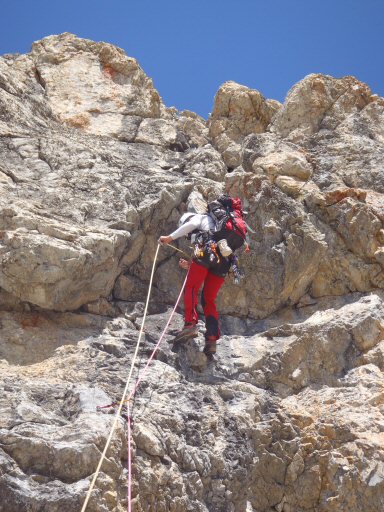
237	272
199	250
206	252
206	249
188	331
224	248
213	252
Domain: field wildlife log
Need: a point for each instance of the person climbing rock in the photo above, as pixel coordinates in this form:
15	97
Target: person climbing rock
215	241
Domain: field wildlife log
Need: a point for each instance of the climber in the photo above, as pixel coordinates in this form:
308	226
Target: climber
213	258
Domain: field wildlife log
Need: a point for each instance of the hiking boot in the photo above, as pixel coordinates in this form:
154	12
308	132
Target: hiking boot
210	347
188	331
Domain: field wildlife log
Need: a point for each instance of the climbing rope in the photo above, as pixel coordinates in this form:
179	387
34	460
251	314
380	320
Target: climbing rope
132	394
140	378
144	370
117	415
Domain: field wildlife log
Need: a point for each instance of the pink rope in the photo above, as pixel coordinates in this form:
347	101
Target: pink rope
132	394
144	371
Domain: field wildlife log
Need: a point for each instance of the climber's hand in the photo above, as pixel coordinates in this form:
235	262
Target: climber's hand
165	240
184	264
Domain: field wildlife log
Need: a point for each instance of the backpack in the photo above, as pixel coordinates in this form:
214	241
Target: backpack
227	214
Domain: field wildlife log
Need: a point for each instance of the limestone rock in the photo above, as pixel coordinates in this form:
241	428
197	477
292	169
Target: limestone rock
286	164
204	436
206	162
60	182
157	131
349	158
288	416
93	86
290	185
101	307
368	121
194	127
238	111
354	236
49	264
319	102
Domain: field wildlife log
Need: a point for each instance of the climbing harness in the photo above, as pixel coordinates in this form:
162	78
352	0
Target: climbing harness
214	255
131	395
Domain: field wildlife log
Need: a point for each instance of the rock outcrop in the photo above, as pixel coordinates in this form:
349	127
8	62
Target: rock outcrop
94	167
237	112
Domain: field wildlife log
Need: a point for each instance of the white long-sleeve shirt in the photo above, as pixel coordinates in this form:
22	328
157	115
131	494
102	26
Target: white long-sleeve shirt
198	221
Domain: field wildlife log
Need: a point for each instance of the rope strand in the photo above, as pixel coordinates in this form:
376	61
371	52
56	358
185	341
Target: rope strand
117	415
143	372
141	376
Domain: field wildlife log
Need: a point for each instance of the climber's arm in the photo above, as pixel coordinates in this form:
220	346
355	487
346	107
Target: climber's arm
188	227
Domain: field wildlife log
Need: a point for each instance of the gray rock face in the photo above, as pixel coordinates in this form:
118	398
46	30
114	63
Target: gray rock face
288	417
59	179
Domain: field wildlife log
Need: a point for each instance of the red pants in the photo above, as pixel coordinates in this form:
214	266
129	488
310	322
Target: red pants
198	275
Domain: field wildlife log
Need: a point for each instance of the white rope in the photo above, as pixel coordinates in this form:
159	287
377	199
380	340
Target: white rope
117	416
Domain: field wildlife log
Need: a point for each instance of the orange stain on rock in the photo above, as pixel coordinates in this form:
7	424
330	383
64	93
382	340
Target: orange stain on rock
108	71
32	320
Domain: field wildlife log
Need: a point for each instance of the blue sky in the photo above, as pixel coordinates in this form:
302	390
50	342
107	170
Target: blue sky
190	48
